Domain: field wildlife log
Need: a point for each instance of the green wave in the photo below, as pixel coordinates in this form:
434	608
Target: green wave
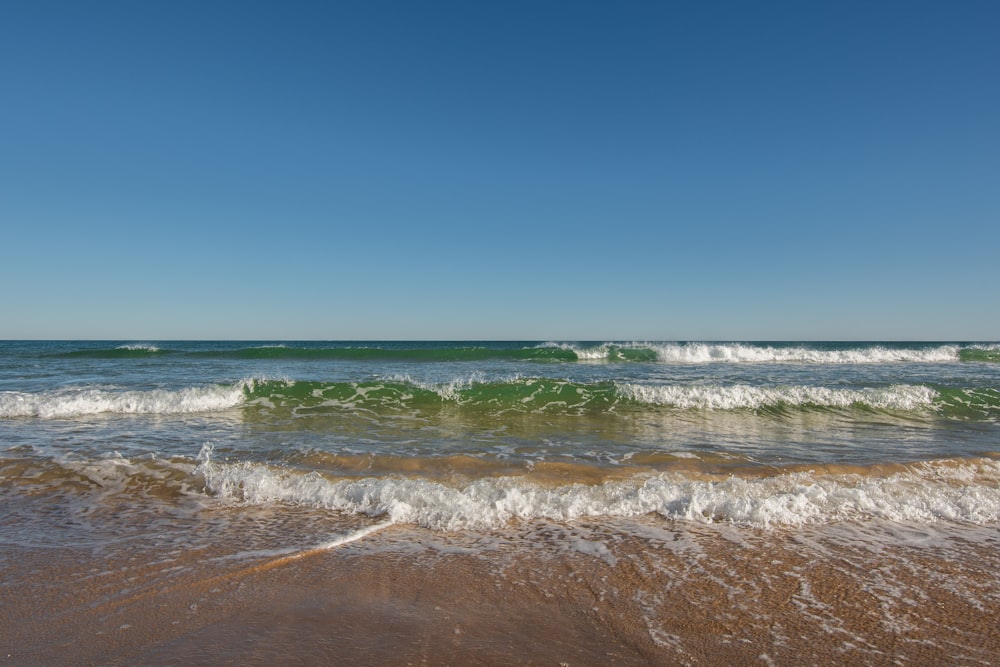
536	395
546	395
971	404
981	354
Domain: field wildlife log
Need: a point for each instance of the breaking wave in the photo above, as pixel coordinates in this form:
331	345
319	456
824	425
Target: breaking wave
964	491
703	353
80	401
517	395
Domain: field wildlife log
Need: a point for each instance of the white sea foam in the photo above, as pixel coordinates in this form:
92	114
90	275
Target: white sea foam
80	401
731	397
741	353
446	390
138	348
601	352
702	353
929	493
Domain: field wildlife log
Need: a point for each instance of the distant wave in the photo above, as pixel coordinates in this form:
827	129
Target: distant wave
703	353
137	347
129	351
611	352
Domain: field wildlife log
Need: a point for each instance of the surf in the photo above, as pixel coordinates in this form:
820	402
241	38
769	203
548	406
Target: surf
524	395
80	401
926	492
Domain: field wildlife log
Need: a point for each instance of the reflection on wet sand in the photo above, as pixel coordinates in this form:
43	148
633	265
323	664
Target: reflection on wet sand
636	592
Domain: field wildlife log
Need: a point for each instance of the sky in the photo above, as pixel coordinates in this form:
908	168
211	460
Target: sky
500	170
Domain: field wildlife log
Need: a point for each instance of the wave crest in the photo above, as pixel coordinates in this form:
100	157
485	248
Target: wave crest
926	492
82	401
736	397
740	353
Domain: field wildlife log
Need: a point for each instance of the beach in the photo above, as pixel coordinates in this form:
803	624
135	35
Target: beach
499	503
585	593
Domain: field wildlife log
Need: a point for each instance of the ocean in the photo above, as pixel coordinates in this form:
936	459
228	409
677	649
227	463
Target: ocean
171	502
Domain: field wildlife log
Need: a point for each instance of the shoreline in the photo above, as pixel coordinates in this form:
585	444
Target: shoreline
637	592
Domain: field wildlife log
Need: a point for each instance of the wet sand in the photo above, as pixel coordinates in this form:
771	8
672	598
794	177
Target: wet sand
636	592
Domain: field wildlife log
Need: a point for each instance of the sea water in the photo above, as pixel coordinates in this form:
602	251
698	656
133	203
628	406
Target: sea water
471	435
276	448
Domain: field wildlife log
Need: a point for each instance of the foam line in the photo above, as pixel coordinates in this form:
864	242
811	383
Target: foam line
925	493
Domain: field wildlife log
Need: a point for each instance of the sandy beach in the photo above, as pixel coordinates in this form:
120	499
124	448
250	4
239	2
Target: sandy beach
640	592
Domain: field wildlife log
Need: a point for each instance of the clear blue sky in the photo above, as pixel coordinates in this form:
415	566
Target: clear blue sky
530	170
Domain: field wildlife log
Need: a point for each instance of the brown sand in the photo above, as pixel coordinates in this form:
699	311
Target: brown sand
645	592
